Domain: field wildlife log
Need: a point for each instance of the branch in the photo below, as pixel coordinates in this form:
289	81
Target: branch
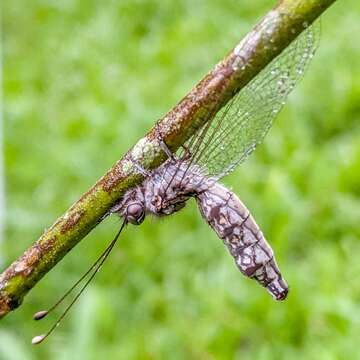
284	23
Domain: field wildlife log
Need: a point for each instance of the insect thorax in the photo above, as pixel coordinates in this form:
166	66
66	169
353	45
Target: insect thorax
164	192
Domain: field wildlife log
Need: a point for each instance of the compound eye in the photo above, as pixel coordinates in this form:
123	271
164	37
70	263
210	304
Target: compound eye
135	213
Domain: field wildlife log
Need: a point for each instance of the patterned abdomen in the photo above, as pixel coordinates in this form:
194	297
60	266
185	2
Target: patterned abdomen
233	223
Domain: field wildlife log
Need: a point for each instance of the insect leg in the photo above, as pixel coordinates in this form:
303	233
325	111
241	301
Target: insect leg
141	169
163	145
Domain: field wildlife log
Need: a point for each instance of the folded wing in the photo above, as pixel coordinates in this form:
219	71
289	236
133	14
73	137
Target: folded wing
242	124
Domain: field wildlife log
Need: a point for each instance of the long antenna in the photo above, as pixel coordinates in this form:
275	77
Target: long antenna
95	267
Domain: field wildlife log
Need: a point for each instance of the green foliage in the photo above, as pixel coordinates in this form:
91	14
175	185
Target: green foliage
82	82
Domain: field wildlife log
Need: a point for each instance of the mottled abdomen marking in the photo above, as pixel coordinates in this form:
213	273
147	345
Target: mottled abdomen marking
233	223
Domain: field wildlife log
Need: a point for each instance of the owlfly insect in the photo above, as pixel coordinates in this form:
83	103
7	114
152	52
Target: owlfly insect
194	171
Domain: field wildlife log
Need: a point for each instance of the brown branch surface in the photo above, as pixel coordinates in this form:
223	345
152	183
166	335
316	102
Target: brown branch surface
283	24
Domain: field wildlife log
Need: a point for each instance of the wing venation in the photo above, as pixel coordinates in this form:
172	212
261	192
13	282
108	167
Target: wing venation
242	124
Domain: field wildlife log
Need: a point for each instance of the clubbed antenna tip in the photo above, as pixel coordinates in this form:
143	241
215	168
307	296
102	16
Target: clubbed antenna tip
40	315
38	339
92	270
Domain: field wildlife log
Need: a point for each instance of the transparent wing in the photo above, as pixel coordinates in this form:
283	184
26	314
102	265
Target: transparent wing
242	124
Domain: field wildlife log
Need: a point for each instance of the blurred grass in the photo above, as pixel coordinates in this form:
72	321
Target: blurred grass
83	82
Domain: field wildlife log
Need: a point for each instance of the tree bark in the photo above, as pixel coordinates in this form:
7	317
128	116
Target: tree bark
269	37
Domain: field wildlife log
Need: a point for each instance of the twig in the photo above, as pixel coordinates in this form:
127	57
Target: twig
288	19
2	175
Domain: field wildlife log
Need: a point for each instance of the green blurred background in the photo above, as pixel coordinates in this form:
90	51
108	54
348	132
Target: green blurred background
83	81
